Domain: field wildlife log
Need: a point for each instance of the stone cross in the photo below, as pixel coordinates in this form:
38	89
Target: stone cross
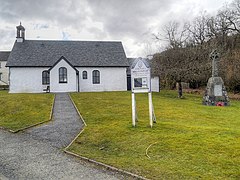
215	56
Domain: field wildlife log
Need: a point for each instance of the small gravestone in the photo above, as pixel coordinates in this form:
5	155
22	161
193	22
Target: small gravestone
215	94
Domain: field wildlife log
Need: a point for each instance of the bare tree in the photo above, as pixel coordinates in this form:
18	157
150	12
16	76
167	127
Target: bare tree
198	30
186	58
229	20
174	34
225	23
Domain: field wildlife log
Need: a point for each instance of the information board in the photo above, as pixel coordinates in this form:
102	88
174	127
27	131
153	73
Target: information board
140	76
141	83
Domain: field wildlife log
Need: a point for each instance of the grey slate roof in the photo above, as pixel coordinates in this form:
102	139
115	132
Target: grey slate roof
40	53
4	55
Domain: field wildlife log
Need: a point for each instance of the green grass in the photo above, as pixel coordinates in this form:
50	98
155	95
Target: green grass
192	141
21	110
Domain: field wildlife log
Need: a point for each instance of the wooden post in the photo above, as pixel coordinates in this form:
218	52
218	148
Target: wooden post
133	110
150	108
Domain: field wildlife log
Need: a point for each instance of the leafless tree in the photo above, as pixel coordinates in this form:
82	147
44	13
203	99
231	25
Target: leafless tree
233	16
225	23
174	34
187	56
198	29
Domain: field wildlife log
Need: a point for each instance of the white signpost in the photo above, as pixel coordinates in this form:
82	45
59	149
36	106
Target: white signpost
141	83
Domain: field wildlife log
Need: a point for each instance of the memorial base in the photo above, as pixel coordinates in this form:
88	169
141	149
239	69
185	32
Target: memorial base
216	94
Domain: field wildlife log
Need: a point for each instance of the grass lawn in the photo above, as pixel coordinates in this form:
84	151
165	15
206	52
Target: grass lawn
191	141
21	110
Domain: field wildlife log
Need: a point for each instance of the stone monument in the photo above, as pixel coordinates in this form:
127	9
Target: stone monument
215	94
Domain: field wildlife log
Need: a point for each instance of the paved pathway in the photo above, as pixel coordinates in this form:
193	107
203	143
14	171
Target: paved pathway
37	154
22	157
65	126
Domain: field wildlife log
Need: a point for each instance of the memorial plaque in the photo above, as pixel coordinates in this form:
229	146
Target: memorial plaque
218	90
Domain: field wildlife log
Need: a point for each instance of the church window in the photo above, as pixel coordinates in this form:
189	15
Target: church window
62	75
45	77
84	74
96	77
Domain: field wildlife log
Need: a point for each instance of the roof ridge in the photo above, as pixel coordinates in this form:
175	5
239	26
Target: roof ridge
112	41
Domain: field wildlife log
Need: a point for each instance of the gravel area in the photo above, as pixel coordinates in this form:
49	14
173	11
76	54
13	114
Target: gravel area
66	123
37	152
22	157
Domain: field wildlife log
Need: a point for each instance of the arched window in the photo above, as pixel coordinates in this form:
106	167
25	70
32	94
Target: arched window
62	75
96	77
84	74
45	77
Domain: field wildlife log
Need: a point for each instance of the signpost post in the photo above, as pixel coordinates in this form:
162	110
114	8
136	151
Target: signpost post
141	83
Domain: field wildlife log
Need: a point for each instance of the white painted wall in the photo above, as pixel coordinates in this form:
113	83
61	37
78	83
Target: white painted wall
155	84
111	79
4	71
29	80
70	86
26	80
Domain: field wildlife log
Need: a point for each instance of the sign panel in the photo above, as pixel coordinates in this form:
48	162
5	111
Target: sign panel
141	83
140	76
218	90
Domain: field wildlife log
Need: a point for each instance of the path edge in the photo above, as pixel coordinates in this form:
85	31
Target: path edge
106	165
94	161
77	110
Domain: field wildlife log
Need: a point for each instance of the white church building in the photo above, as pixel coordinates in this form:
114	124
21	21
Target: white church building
36	66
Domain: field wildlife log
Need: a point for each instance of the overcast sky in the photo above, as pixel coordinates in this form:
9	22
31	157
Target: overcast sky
129	21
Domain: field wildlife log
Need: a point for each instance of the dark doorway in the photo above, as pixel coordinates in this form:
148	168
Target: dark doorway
129	82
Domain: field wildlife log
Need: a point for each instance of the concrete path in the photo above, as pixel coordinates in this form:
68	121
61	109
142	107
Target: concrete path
22	157
65	126
37	153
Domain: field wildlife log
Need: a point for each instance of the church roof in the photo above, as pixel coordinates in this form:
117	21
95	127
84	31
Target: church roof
42	53
4	55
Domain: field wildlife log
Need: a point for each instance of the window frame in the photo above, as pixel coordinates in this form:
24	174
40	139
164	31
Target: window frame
45	77
84	75
96	77
62	75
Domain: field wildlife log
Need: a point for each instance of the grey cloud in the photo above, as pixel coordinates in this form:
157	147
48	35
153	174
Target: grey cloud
127	18
119	19
7	40
63	13
41	26
98	33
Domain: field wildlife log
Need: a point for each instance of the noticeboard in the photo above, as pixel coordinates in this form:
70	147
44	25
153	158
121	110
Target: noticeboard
140	76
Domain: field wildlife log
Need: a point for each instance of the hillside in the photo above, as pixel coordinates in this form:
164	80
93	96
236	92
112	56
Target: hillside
192	64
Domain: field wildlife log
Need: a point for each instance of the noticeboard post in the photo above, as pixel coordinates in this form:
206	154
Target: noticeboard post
141	83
